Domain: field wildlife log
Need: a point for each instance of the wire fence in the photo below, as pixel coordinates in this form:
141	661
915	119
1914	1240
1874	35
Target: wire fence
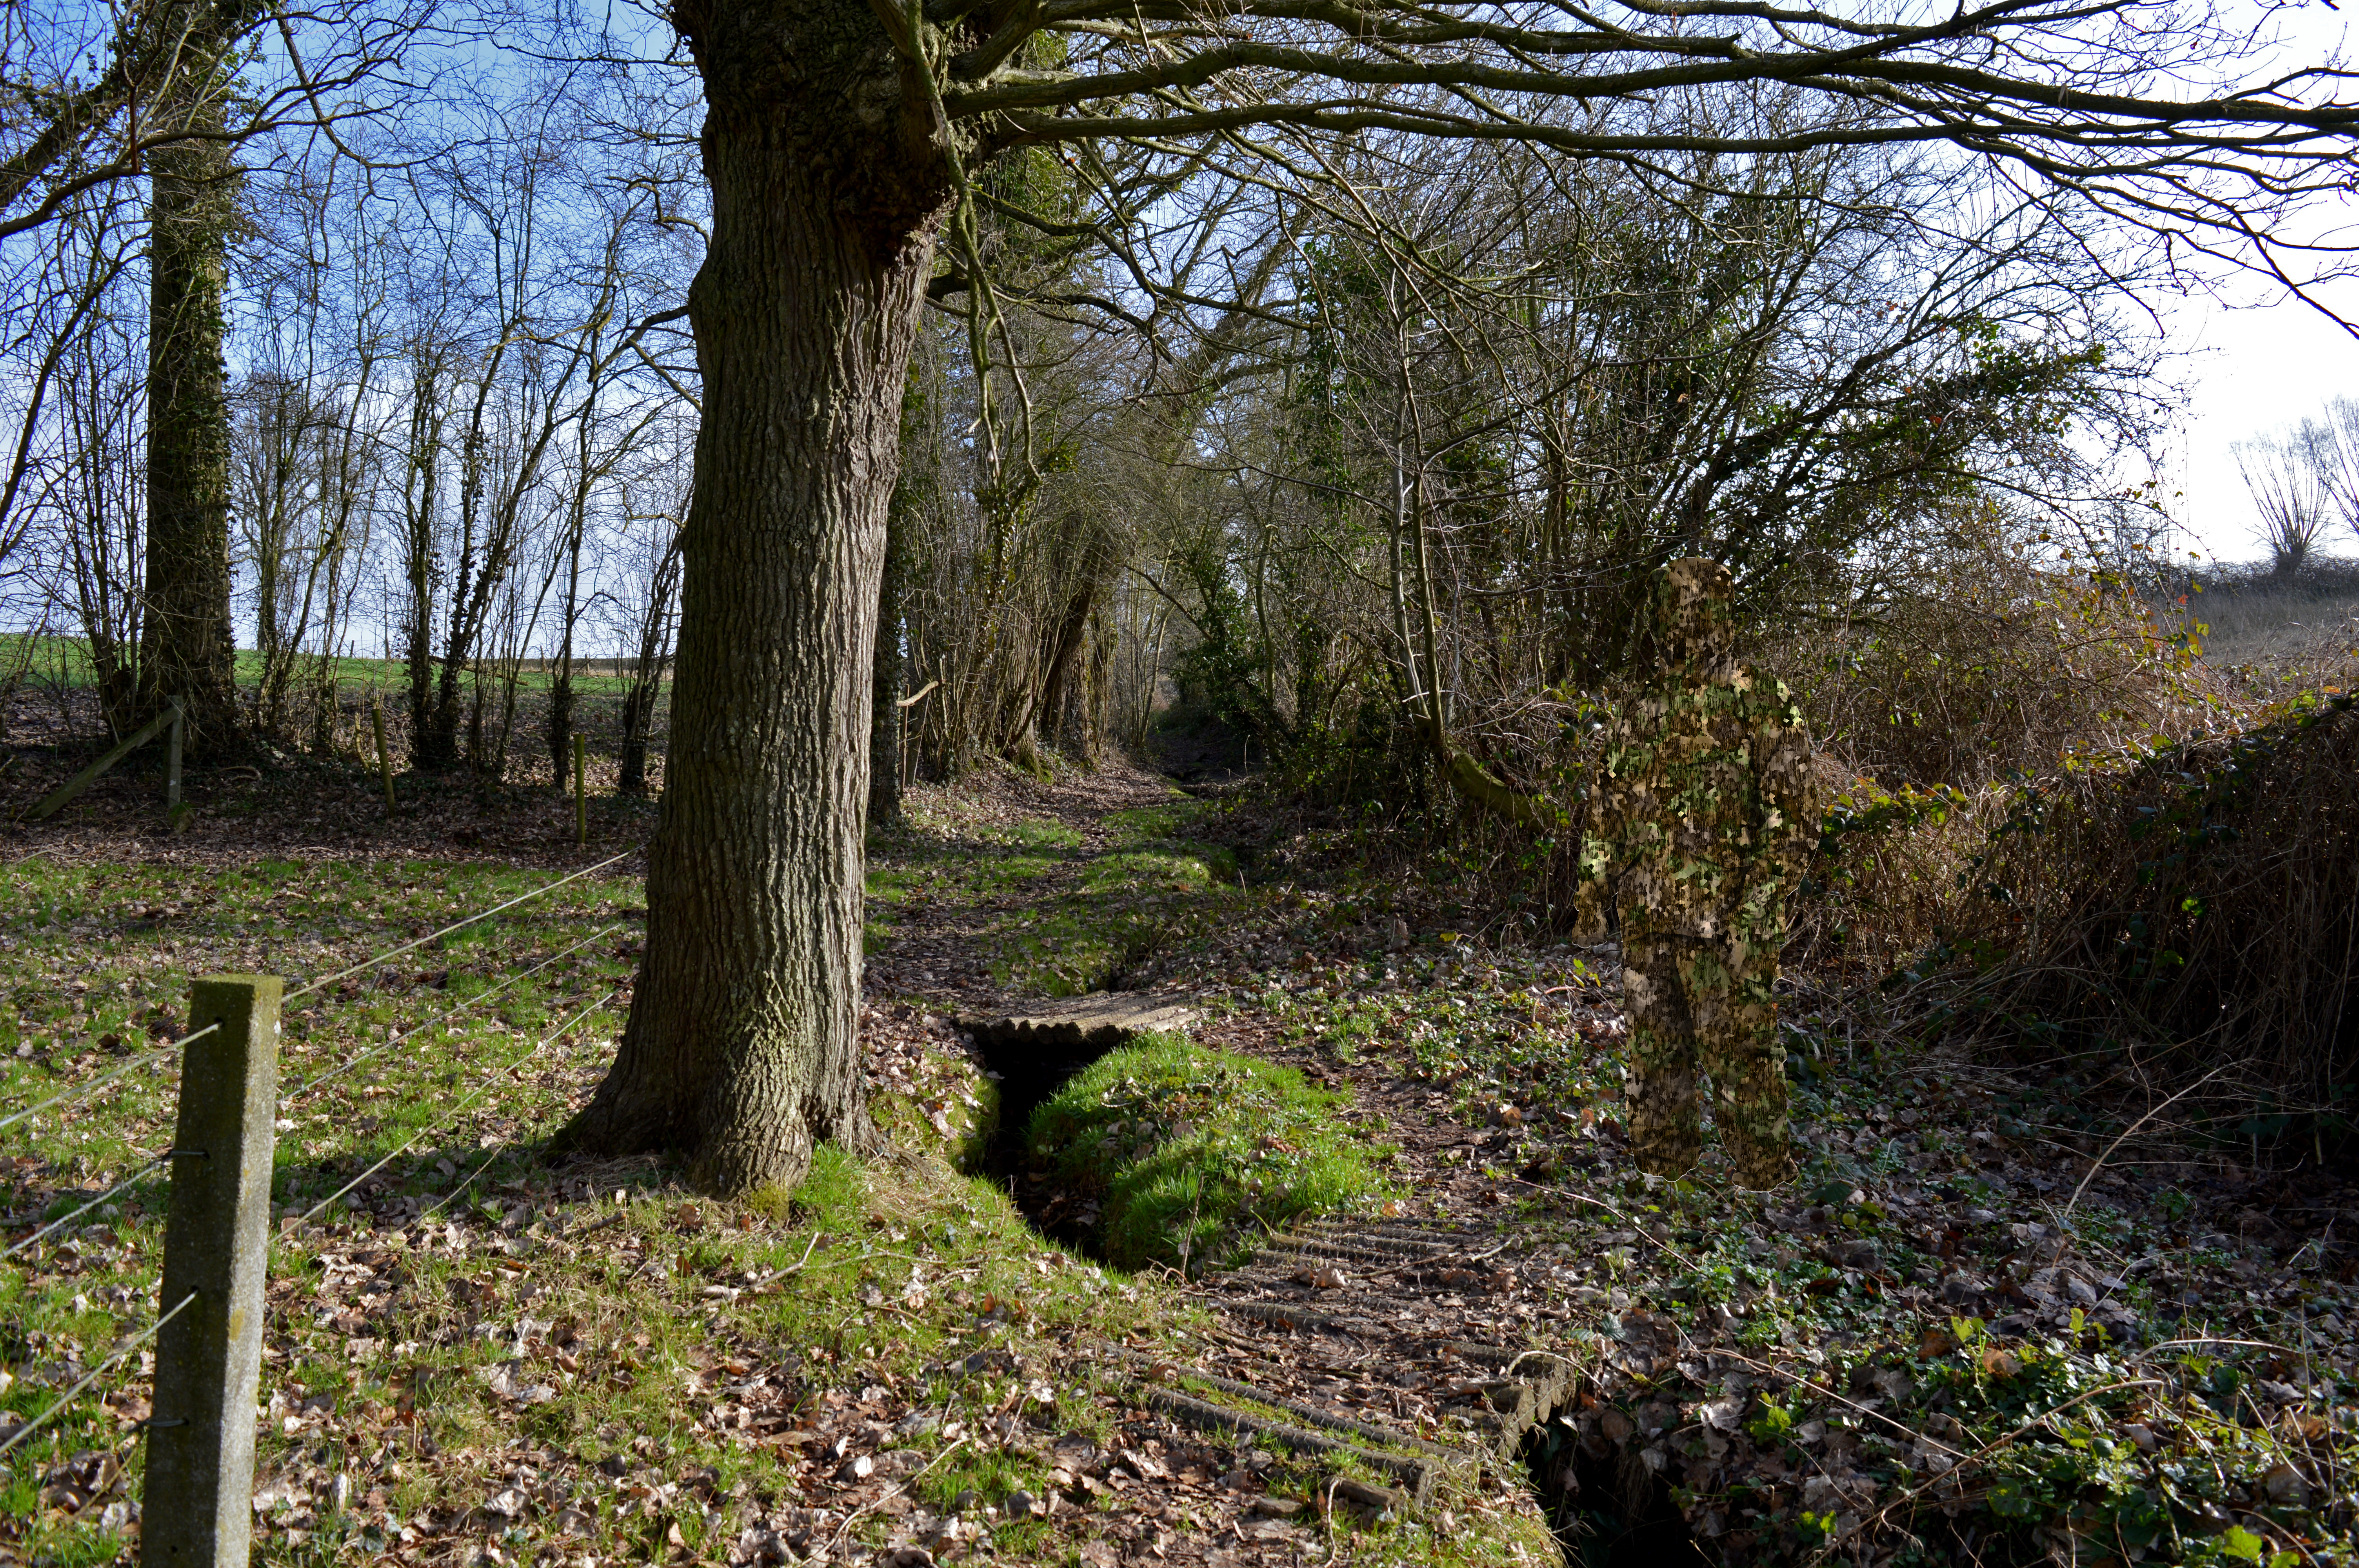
82	1091
123	1348
482	1088
218	1035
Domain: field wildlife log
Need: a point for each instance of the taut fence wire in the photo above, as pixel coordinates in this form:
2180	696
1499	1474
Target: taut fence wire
246	1043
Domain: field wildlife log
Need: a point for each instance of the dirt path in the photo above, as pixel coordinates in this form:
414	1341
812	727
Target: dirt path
893	1368
1534	1334
1413	1351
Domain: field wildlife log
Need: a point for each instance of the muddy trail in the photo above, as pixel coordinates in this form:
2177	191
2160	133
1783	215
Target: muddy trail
1402	1360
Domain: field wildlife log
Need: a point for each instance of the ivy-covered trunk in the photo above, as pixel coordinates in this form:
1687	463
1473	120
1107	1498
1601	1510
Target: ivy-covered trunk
186	642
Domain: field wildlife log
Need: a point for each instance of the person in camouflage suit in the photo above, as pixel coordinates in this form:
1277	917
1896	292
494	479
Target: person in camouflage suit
1705	809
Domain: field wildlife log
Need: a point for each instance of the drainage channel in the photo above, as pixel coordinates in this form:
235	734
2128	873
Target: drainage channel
1033	1053
1604	1507
1328	1319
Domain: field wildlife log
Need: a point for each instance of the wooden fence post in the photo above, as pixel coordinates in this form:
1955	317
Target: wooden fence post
199	1507
175	738
384	757
90	775
580	788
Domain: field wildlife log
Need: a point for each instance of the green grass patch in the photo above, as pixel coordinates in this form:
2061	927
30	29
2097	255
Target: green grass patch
1035	833
1144	824
1192	1153
1148	872
1056	918
66	661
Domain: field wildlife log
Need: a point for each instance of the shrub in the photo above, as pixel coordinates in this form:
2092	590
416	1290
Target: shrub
1977	673
2054	824
2194	907
2206	897
1979	667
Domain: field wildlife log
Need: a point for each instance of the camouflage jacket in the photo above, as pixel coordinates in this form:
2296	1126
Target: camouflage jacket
1705	807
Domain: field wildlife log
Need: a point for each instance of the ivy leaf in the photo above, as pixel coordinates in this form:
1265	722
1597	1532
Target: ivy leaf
2241	1544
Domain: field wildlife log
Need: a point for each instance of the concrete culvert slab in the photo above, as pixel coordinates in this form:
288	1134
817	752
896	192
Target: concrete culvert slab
1081	1029
1035	1048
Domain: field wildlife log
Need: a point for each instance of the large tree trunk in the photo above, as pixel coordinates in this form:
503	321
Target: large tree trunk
186	648
828	189
1067	655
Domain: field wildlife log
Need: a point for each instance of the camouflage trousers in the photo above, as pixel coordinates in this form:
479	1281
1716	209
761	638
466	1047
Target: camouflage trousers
1705	1004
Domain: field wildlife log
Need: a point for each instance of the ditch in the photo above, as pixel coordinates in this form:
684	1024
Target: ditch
1606	1508
1031	1065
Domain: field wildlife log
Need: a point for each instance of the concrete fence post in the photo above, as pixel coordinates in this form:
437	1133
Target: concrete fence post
199	1507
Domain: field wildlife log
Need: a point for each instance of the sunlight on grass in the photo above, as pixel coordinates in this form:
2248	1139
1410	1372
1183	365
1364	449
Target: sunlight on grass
1192	1154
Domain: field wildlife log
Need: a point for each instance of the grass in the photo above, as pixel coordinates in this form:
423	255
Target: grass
1192	1154
1052	915
474	1312
479	1346
49	660
479	1349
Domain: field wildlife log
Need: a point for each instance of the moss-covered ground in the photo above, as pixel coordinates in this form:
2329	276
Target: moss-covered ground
478	1354
1186	1156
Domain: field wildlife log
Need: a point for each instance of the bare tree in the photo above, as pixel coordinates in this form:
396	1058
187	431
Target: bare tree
839	141
97	507
656	502
68	132
2292	478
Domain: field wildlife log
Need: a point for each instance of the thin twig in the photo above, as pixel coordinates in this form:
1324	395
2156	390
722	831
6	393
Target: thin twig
864	1509
2098	1163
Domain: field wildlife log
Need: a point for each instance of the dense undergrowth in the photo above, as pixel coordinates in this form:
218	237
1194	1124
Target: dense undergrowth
2054	825
1978	1326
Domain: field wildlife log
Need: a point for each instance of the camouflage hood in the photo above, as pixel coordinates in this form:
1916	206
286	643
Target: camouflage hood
1691	612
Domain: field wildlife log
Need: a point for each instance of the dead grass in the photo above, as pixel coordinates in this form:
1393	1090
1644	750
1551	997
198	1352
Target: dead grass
2266	637
1983	668
2186	912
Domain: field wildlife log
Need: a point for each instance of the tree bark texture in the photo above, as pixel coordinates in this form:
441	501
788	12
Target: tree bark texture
828	187
186	646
